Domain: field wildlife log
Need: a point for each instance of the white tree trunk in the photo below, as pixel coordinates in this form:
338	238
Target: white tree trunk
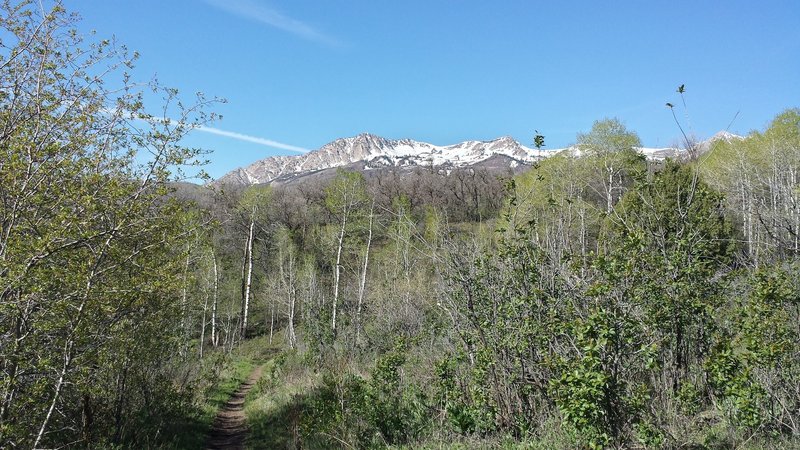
610	191
56	394
282	284
184	303
363	284
292	293
337	272
247	272
214	334
203	325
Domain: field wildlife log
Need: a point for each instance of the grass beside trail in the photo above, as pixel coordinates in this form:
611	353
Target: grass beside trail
273	406
217	376
231	377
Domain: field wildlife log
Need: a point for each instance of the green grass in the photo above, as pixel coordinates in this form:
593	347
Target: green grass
217	377
274	408
230	378
274	405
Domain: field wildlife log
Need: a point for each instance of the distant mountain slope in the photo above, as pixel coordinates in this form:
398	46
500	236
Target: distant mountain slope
367	151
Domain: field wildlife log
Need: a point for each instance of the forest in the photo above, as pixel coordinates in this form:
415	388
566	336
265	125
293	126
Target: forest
596	300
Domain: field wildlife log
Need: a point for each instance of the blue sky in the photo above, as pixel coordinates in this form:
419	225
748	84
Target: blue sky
298	74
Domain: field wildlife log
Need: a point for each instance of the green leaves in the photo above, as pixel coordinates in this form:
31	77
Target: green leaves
88	267
346	192
609	138
759	174
755	359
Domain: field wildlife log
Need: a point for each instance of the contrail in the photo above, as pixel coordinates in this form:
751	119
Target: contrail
273	18
217	131
253	139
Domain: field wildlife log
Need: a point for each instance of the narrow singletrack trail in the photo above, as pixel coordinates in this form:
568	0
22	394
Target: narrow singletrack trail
229	430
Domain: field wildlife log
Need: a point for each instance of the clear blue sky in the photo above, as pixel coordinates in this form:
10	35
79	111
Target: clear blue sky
303	73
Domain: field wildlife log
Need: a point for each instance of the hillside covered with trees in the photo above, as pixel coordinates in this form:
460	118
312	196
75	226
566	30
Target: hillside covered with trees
597	300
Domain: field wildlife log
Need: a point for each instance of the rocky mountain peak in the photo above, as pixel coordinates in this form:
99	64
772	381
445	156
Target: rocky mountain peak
725	135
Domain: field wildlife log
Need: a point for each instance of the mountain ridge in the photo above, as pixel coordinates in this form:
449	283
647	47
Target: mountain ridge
376	152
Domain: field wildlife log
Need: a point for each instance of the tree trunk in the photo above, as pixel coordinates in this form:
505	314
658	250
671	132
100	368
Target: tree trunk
184	303
247	277
214	334
292	300
337	273
610	191
203	325
10	384
363	284
271	319
56	393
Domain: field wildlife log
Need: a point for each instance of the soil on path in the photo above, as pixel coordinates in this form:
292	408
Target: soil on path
229	430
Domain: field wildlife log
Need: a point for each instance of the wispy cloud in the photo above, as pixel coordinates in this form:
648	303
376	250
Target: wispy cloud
253	139
268	16
210	130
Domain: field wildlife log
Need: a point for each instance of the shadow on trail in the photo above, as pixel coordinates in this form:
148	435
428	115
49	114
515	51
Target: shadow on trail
229	430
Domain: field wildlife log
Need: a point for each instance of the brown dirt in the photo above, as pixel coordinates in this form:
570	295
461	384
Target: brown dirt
229	430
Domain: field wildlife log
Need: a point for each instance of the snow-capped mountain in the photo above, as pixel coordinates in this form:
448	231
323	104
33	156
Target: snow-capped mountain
367	151
726	136
377	152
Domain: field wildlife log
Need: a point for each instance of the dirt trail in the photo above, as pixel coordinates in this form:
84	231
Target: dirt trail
229	430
